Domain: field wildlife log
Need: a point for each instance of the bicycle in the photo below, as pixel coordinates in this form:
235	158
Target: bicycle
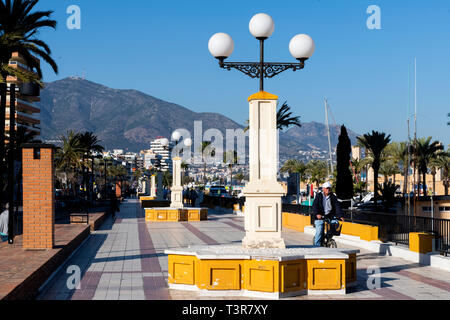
329	232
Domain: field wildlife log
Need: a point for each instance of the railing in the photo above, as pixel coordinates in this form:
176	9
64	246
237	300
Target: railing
295	208
392	227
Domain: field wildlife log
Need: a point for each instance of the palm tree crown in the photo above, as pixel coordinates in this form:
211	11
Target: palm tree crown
18	29
375	143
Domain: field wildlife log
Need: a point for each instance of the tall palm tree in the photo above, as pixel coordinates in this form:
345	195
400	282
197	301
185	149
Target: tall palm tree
389	168
230	157
400	155
68	156
19	28
375	142
284	118
90	142
425	151
207	150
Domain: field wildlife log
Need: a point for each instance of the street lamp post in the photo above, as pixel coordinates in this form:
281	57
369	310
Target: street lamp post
261	26
263	192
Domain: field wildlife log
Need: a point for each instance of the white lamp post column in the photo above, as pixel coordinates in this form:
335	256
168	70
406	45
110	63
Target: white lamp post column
152	186
177	189
263	192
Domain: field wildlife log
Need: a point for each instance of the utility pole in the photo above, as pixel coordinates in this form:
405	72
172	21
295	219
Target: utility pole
415	135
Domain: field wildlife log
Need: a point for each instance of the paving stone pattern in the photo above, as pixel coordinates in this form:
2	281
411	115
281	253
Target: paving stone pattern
125	260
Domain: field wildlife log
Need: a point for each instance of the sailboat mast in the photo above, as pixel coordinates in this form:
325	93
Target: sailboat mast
329	140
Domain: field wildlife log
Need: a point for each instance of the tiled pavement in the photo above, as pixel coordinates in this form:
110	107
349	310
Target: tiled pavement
125	260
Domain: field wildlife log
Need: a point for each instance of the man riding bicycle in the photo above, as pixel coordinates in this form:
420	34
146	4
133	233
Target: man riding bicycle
326	205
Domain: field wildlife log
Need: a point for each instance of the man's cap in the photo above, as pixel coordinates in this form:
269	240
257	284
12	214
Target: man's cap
326	185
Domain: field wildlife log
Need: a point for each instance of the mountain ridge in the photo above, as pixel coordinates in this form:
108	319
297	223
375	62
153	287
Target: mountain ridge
130	119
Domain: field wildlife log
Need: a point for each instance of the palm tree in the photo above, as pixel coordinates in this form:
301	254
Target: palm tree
207	150
443	162
90	142
389	168
425	151
284	118
375	142
401	155
68	156
20	27
18	30
317	171
230	157
359	164
239	177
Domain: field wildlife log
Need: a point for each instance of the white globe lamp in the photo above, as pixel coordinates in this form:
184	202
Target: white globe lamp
261	26
221	45
176	135
302	47
164	142
188	142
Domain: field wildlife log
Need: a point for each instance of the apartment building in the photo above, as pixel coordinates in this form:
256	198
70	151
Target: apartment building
161	149
27	94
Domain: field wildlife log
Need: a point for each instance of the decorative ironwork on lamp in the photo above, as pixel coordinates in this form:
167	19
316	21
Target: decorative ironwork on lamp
261	26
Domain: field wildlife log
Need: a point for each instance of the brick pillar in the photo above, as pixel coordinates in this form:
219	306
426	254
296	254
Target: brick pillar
38	197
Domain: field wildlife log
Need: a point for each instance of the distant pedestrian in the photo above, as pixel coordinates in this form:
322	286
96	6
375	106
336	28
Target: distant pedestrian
188	196
4	220
114	204
193	196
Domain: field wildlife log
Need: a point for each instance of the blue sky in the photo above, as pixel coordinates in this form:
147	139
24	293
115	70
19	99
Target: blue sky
160	48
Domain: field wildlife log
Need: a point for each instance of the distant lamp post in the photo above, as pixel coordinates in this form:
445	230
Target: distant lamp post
261	26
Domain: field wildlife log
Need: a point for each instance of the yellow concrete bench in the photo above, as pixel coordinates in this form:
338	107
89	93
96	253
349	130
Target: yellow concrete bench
364	232
299	222
295	221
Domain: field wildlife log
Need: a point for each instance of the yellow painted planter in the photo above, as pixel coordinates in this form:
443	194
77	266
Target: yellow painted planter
265	276
141	198
420	242
173	214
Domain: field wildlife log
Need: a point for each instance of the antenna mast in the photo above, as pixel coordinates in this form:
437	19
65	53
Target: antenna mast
329	140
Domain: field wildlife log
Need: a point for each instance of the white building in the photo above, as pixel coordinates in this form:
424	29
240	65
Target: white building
161	149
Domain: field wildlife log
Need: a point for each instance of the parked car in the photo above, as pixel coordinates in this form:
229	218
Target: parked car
218	191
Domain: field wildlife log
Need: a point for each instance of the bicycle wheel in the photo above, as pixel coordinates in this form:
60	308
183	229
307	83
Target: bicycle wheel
331	244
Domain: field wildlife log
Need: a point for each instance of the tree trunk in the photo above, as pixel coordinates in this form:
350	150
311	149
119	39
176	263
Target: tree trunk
434	182
405	182
375	188
231	178
424	174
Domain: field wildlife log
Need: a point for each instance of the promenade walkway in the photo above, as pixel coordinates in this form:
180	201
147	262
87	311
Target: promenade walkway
125	260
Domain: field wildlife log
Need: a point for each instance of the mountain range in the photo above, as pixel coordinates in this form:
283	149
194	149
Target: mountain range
129	119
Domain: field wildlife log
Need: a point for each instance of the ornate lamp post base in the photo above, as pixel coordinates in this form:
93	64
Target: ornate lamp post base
263	192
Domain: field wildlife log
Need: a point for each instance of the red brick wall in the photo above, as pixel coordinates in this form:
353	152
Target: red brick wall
38	199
